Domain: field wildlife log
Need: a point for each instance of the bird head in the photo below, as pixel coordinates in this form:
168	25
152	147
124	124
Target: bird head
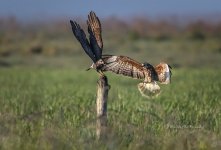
97	66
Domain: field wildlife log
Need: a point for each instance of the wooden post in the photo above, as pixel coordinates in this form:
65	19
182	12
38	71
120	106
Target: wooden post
102	96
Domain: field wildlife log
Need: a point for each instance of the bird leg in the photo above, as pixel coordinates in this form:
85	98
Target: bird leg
99	65
100	73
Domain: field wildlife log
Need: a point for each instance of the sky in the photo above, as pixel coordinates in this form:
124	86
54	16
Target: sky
41	9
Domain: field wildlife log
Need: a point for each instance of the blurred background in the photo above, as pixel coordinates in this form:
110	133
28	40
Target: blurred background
47	99
182	33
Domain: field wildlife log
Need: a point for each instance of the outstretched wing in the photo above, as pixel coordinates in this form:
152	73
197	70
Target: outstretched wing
94	29
164	73
125	66
94	45
81	37
95	26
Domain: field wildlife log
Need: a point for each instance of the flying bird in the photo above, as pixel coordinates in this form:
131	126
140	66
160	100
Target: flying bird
122	65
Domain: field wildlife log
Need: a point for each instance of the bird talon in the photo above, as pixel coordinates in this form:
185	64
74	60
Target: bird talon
100	73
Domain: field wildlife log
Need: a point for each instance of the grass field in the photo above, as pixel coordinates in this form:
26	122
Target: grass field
52	108
48	101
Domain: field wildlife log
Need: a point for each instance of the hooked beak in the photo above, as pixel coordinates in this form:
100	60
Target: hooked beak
90	67
87	69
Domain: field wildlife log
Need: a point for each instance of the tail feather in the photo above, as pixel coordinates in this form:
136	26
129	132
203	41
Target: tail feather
149	90
164	73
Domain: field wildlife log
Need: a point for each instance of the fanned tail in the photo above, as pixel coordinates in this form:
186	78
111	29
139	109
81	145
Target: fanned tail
149	90
164	73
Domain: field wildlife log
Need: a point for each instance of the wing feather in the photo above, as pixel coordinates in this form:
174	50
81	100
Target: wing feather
81	37
94	29
125	66
94	45
149	90
95	25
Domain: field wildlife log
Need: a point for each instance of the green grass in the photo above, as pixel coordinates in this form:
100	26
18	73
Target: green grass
56	109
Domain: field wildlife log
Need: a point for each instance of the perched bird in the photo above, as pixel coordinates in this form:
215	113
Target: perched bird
120	64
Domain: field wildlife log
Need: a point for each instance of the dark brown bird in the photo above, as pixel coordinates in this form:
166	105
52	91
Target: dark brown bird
120	64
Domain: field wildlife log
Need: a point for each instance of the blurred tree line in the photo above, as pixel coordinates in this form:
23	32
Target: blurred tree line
135	28
138	36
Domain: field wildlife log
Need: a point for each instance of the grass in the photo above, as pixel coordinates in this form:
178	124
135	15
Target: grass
47	100
48	108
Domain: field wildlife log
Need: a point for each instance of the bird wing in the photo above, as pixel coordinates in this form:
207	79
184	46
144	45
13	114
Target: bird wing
81	37
95	26
149	90
125	66
164	73
94	29
94	45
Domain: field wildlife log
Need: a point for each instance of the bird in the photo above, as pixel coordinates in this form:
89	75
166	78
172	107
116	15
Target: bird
93	48
122	65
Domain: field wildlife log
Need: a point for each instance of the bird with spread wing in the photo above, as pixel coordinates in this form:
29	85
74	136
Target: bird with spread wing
120	64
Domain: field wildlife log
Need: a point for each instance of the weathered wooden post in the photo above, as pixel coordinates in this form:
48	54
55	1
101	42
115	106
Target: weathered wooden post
102	96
